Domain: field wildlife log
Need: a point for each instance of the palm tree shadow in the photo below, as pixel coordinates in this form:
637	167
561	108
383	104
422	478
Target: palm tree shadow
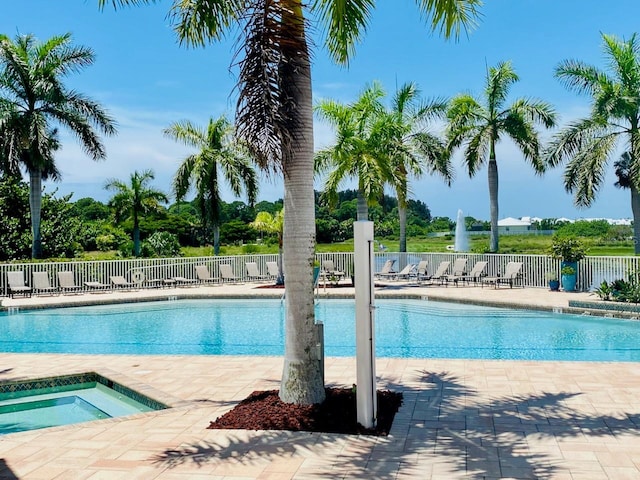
5	472
442	423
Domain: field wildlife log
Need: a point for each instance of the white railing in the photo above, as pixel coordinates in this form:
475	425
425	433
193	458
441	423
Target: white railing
591	270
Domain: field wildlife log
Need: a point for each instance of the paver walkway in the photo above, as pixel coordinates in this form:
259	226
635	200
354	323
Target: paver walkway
460	418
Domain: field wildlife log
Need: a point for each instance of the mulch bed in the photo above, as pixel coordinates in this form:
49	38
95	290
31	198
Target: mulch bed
263	410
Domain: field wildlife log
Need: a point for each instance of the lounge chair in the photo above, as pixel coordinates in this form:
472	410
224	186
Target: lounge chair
475	275
42	285
67	283
440	273
17	285
272	270
226	272
180	281
420	271
330	271
512	273
118	281
387	268
458	270
403	274
94	285
253	274
203	275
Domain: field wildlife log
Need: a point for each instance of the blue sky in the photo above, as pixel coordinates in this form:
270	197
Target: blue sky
147	81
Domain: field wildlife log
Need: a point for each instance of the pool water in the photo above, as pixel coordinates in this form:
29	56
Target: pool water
33	406
403	328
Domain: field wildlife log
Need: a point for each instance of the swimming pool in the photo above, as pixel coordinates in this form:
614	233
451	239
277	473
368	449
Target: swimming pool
404	328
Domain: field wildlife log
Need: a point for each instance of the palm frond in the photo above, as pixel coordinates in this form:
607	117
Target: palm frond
345	22
451	17
498	82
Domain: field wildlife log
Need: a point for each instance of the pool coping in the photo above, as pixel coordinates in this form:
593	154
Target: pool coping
382	292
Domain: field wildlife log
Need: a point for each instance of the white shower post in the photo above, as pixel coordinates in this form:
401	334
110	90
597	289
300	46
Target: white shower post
366	401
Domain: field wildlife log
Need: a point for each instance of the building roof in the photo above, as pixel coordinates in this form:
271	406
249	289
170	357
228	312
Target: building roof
513	222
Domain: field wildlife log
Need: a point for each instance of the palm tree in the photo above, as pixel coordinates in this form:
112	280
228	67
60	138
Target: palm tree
274	116
133	200
623	172
32	100
357	152
479	125
265	222
587	144
218	156
410	147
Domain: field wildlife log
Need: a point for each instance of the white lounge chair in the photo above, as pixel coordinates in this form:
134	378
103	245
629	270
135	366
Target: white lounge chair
405	273
475	275
226	272
67	283
17	285
98	286
329	270
439	274
272	270
458	270
184	281
118	281
387	268
203	275
512	273
253	273
42	285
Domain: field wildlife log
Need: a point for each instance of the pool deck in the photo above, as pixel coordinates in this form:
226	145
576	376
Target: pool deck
467	419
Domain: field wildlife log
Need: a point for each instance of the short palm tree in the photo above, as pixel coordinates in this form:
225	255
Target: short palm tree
274	116
135	199
480	124
33	102
587	144
219	156
265	222
410	147
357	152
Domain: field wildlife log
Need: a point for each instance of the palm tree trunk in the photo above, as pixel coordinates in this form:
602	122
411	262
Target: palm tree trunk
35	205
216	240
136	237
302	381
635	208
362	207
493	200
402	218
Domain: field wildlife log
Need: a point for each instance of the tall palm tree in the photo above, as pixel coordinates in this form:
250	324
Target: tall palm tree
587	144
625	180
33	101
480	124
357	152
134	200
265	222
219	156
274	116
410	147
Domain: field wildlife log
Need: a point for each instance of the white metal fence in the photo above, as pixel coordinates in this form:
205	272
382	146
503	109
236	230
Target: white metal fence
591	270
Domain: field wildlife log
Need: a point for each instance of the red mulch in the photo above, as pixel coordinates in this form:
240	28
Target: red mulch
263	410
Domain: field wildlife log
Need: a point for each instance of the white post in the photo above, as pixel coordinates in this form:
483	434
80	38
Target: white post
366	401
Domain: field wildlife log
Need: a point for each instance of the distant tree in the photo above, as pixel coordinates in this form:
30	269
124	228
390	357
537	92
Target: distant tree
480	124
33	99
357	152
218	156
61	229
135	199
410	147
89	209
587	144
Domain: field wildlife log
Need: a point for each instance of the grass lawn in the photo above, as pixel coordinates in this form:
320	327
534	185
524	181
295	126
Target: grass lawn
514	244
